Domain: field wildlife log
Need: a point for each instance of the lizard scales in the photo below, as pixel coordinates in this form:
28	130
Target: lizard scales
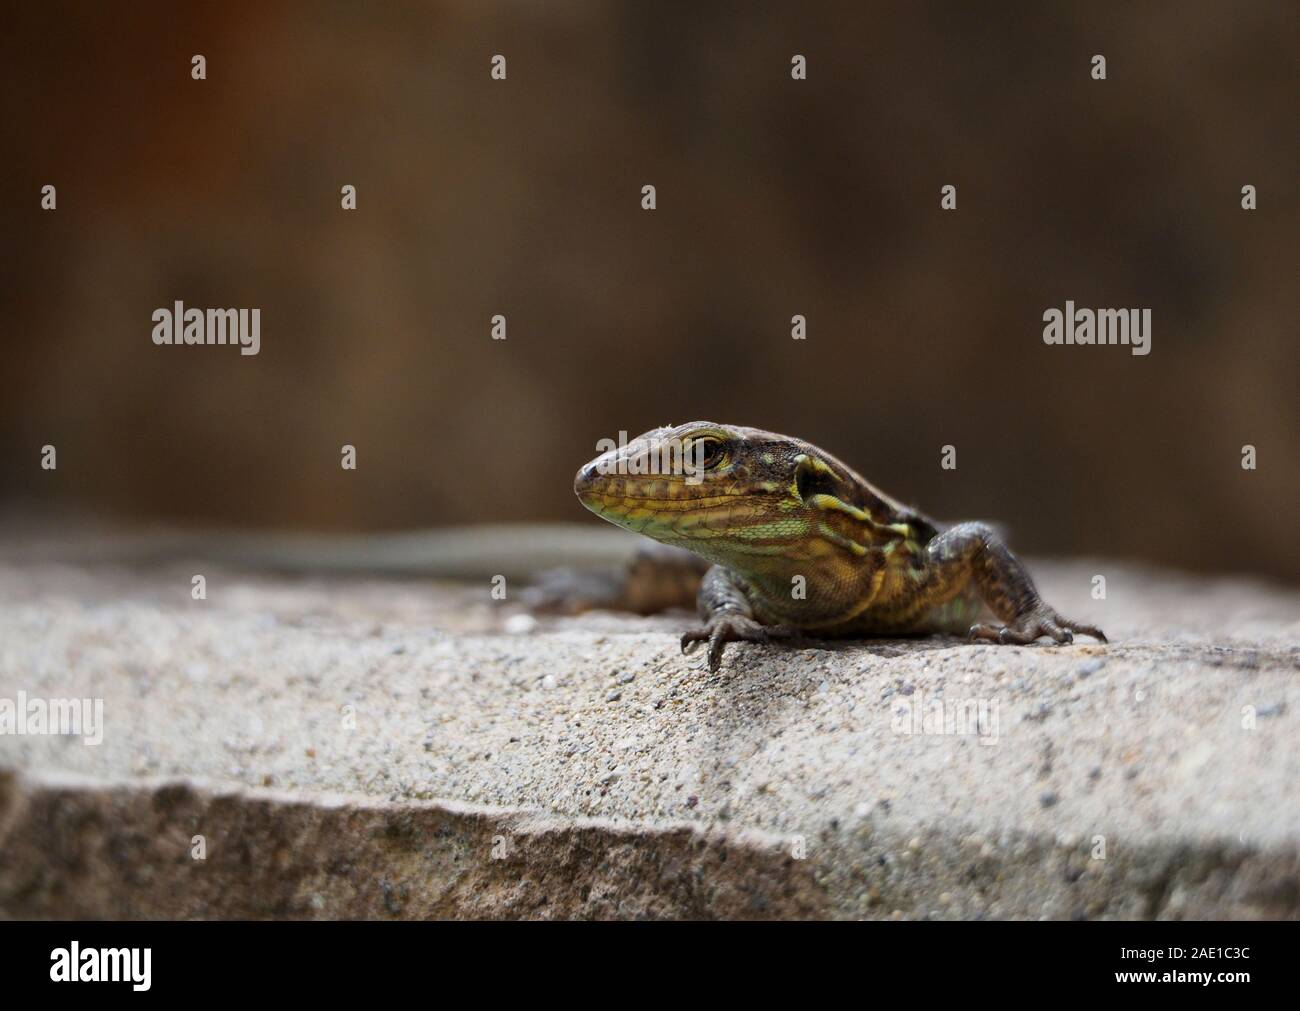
800	543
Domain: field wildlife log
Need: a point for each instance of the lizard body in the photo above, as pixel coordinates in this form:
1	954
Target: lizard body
801	543
772	538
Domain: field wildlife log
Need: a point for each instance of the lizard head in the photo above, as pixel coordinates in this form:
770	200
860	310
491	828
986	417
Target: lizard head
741	497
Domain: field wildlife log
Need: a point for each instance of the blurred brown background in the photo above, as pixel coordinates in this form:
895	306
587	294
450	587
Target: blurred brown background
776	197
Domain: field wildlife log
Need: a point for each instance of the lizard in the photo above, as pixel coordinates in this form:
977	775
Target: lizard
785	541
759	514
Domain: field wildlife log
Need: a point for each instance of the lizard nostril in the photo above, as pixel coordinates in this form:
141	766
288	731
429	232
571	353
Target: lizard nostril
585	478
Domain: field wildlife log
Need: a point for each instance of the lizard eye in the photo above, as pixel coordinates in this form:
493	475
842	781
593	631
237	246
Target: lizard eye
707	451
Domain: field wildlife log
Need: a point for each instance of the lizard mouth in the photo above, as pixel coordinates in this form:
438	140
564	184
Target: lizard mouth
619	497
659	507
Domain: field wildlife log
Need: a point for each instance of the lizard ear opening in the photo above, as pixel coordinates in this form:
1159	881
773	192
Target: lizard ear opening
814	477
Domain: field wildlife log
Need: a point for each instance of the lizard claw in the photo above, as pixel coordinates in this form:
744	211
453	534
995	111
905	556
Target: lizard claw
1034	625
725	628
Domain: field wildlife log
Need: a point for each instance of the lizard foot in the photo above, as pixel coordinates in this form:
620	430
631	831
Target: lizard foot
1029	627
725	628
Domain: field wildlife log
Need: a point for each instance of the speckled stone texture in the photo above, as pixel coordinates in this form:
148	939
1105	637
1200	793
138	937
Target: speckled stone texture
373	748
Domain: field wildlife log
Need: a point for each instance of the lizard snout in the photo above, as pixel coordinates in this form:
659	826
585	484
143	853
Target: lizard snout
588	479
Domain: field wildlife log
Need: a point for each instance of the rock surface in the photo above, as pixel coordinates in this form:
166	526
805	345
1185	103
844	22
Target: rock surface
372	748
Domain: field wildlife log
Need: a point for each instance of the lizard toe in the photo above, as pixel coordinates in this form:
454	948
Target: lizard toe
1048	626
1003	634
1031	627
1063	630
717	645
726	628
1089	630
693	637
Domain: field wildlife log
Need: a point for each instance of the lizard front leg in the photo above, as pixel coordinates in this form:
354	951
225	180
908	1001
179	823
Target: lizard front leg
974	553
728	616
